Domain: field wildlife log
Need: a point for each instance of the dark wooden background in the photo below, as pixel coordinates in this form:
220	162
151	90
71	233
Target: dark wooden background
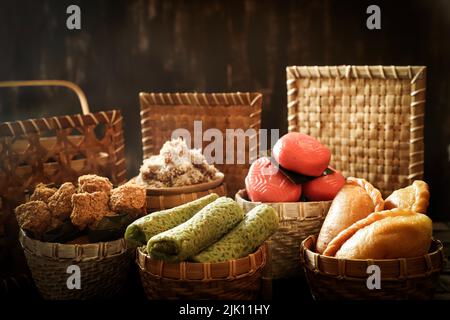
129	46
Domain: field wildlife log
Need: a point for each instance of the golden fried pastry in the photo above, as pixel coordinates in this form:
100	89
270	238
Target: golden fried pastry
346	234
355	201
60	203
34	216
128	198
89	208
42	193
391	234
415	197
92	183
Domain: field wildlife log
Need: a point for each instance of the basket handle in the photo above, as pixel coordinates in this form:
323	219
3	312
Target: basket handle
57	83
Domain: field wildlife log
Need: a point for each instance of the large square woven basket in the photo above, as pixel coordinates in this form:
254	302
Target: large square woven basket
162	113
371	117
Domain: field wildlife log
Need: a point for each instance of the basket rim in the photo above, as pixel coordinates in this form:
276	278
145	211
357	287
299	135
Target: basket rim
143	261
357	71
78	252
163	202
42	124
173	191
242	193
289	211
318	260
199	99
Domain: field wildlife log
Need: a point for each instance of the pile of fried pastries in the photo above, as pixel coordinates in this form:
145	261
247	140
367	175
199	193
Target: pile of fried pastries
85	205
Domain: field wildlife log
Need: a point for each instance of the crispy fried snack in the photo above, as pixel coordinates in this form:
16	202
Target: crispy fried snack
60	203
34	216
415	197
355	201
92	183
129	198
346	234
89	208
390	234
42	193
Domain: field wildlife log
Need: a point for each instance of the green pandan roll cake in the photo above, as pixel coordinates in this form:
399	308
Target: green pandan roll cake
203	229
140	231
258	225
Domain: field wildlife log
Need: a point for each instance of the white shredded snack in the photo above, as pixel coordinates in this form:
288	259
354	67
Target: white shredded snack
176	166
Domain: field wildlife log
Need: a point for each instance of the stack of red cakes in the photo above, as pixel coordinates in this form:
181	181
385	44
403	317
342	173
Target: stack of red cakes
297	171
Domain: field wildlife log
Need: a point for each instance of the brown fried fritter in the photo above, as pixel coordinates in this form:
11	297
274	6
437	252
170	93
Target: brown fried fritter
129	198
89	208
34	216
42	193
93	183
60	204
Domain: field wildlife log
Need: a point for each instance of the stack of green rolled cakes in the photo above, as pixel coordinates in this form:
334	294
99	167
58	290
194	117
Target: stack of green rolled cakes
209	229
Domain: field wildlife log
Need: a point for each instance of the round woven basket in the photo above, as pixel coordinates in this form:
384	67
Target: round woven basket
330	278
103	267
238	279
297	221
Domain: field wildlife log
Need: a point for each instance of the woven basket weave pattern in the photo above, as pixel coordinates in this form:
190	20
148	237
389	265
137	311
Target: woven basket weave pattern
297	221
231	280
370	117
284	246
103	267
222	111
43	150
331	278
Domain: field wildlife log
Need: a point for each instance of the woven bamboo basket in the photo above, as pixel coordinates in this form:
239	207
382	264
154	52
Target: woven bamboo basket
59	149
238	279
103	267
330	278
221	111
297	221
53	150
371	117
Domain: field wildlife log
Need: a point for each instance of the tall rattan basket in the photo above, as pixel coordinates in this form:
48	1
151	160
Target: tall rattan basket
222	111
371	117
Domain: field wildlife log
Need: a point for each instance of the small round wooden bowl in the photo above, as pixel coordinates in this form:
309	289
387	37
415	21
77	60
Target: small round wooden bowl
238	279
186	189
297	221
330	278
166	198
